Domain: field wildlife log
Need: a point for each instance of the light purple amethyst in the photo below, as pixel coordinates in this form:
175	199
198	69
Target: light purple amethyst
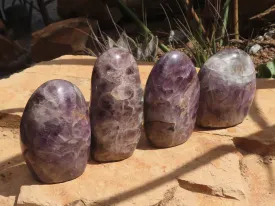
55	132
171	100
116	106
228	84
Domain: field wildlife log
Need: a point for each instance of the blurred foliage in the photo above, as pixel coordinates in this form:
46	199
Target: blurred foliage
204	42
266	70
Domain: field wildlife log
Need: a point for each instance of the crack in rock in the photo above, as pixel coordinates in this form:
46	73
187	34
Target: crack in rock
77	203
168	196
216	134
211	190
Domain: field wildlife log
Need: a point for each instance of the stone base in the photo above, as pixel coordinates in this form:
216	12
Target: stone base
233	166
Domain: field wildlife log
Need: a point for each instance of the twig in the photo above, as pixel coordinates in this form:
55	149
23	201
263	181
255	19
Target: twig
43	11
112	19
192	12
266	12
34	7
236	18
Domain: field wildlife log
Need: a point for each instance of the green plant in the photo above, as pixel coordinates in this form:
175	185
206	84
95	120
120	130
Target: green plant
145	48
204	45
146	51
225	20
266	70
138	22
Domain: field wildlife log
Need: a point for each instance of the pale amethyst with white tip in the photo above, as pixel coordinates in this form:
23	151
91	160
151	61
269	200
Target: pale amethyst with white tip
228	85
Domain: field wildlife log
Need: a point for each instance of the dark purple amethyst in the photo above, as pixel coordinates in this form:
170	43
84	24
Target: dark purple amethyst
228	84
116	106
55	132
171	100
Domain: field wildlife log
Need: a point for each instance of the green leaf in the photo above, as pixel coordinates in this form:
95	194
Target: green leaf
266	70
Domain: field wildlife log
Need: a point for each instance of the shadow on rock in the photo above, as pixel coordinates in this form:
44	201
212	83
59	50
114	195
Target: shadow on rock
14	173
70	62
144	144
10	120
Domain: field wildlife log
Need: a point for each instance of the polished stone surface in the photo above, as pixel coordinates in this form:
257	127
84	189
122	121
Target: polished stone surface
228	84
116	106
55	132
171	100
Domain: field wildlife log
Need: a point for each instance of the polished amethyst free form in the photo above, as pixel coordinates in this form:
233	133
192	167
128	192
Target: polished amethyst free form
55	132
116	106
228	84
171	100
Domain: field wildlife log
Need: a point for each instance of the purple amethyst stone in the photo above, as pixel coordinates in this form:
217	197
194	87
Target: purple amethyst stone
55	132
116	106
228	85
171	100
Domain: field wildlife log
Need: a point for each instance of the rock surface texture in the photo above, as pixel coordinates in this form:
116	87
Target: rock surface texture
171	100
116	106
228	84
55	132
229	167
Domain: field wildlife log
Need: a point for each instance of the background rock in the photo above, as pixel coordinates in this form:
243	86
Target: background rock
12	56
7	201
9	51
255	48
65	37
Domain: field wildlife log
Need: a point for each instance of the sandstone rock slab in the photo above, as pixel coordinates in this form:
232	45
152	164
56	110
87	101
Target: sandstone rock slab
203	171
146	177
7	201
260	178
